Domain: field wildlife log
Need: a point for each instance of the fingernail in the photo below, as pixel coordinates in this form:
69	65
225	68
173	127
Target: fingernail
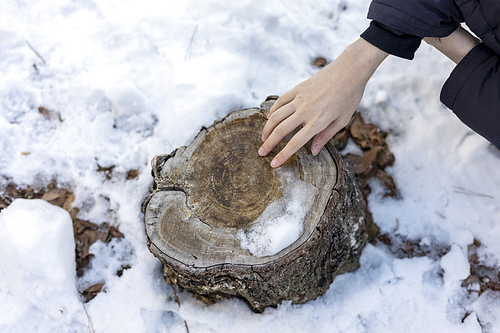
274	163
263	137
261	151
315	149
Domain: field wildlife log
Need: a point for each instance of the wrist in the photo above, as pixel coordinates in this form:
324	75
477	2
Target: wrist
365	56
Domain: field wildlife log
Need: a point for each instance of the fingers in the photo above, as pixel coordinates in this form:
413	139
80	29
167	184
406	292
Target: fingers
301	138
297	141
276	118
325	135
281	101
276	134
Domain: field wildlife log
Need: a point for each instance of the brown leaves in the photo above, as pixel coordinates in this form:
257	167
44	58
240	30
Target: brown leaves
108	172
402	247
132	174
59	197
481	277
49	196
86	234
319	62
49	114
120	271
366	135
113	231
91	292
376	154
50	193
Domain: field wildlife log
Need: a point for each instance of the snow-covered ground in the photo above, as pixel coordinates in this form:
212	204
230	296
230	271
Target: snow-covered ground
133	79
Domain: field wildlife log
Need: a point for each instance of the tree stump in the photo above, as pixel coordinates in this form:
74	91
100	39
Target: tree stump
207	197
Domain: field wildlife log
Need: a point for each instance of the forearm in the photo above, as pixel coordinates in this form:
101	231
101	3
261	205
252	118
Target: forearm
455	46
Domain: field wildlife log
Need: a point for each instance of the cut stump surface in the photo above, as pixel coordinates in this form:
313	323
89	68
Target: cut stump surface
203	194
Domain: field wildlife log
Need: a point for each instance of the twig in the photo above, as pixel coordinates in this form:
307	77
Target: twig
175	295
440	215
462	190
38	54
91	327
179	304
188	51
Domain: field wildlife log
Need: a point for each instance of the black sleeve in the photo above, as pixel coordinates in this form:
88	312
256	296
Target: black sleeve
400	45
423	18
473	92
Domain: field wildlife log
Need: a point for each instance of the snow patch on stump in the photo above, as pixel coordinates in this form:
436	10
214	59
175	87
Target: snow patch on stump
281	223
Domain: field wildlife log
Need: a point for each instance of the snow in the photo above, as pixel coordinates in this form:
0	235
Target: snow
282	221
455	265
37	269
134	79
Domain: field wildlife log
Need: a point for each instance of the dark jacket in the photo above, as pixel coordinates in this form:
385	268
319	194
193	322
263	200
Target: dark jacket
439	18
473	89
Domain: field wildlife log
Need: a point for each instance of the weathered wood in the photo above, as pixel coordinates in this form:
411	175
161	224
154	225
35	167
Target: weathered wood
205	192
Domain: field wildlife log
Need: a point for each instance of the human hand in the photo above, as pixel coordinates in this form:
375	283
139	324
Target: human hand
323	104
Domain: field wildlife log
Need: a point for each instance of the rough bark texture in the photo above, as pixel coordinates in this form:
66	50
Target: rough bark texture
191	218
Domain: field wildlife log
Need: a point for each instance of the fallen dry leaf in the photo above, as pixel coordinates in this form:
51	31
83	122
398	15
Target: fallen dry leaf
366	135
108	171
3	204
319	62
12	191
68	201
119	273
388	182
49	114
114	231
132	174
91	292
79	226
376	154
59	201
49	196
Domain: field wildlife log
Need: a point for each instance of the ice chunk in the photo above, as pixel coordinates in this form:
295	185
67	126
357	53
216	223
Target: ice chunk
281	223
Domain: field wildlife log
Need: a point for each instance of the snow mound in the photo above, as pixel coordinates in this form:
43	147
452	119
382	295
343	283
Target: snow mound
37	268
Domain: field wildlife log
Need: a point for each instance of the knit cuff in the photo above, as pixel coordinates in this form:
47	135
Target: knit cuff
400	45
